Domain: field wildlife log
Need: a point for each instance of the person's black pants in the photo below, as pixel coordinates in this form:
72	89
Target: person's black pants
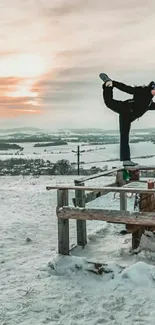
124	127
125	119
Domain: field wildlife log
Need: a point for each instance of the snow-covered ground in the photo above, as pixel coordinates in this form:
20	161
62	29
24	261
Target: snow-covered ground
31	292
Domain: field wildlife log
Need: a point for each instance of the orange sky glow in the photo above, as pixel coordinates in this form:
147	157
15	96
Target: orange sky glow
26	69
51	53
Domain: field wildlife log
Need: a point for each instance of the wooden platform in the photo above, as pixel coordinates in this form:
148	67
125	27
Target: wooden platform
136	222
114	170
105	173
137	185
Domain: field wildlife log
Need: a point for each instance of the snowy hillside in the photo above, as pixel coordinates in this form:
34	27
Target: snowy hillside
31	292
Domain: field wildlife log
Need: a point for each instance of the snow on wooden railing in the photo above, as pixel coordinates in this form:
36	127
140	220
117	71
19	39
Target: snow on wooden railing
114	170
105	173
105	188
112	216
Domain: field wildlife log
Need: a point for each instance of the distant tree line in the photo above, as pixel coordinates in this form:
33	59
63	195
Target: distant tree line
21	166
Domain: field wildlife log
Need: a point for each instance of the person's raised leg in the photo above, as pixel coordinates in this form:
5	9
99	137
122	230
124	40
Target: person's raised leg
115	105
119	85
104	77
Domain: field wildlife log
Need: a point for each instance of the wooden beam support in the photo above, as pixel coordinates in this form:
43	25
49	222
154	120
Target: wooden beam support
147	204
105	173
120	181
95	194
63	224
134	229
111	216
136	236
80	224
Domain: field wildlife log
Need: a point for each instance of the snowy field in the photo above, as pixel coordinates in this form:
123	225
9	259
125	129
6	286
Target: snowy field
32	293
97	157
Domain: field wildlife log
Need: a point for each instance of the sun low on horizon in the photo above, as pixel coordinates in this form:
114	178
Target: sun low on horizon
24	70
22	65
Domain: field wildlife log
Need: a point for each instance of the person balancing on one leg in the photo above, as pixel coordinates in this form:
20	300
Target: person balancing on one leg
128	110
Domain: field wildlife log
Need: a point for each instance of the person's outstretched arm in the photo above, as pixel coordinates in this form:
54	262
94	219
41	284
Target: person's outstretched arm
125	88
152	107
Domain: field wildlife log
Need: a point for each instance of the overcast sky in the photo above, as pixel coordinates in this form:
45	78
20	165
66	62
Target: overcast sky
51	52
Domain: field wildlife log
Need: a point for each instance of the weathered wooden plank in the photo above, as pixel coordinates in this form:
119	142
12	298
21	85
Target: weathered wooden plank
63	224
80	224
105	188
111	216
95	194
105	173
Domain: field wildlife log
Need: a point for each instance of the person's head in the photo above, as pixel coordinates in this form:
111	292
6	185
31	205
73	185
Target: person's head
152	84
145	93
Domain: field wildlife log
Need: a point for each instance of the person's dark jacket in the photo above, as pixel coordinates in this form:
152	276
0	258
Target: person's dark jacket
141	101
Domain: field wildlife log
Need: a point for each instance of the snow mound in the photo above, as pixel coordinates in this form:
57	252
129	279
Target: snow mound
67	264
140	274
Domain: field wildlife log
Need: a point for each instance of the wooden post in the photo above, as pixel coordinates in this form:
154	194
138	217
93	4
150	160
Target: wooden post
123	201
63	225
147	202
119	178
136	231
80	224
120	182
136	236
134	175
146	205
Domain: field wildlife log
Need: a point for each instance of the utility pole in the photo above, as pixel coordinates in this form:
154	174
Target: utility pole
78	152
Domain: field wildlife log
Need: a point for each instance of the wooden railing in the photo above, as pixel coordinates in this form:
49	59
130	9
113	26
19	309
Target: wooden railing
81	214
136	222
105	173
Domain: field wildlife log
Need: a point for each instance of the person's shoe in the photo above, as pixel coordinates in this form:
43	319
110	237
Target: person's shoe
129	163
104	77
